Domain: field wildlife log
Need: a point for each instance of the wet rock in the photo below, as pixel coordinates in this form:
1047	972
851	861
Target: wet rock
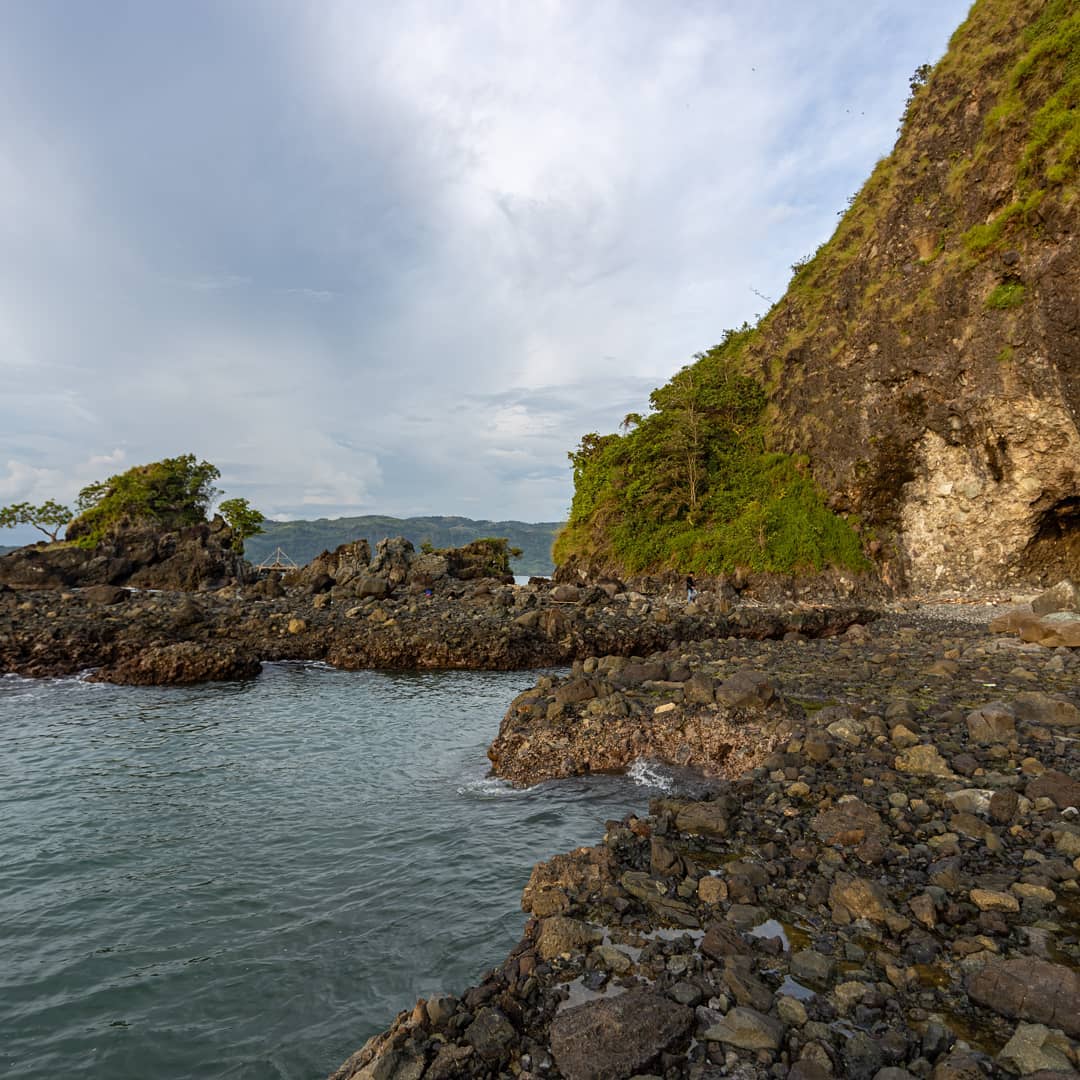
491	1035
104	594
617	1037
183	663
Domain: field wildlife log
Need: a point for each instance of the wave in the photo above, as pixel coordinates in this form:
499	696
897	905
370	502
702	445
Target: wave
651	774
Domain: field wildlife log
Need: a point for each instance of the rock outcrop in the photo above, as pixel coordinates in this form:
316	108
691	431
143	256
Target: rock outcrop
196	557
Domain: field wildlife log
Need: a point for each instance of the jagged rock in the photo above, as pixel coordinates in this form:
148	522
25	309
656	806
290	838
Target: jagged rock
1034	1047
585	871
618	1037
392	559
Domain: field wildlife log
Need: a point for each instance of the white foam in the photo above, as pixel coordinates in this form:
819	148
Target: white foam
650	774
489	787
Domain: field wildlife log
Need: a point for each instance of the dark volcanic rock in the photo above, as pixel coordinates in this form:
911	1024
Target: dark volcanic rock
184	662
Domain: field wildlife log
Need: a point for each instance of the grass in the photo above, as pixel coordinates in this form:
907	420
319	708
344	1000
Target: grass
1008	294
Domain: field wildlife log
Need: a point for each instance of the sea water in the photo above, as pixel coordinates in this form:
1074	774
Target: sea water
250	879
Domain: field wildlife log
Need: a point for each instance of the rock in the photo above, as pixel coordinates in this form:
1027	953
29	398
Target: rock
575	691
989	900
923	761
848	823
1060	788
1003	806
1030	989
491	1035
857	898
104	594
183	663
617	1037
560	936
810	966
1034	707
376	586
1034	1047
993	723
581	874
1060	630
1064	596
704	818
747	1029
722	940
745	689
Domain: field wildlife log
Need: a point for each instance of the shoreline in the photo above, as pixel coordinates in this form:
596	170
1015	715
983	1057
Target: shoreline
863	902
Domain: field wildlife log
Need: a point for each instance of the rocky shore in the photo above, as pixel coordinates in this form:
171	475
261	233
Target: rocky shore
146	636
881	882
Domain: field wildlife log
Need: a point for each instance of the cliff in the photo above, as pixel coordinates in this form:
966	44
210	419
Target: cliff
923	368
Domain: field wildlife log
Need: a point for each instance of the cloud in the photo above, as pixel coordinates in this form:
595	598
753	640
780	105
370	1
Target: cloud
400	257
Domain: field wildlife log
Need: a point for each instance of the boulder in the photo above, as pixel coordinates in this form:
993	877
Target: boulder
1029	989
1034	707
993	723
1064	596
617	1037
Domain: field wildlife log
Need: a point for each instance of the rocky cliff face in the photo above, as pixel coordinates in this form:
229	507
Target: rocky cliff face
923	368
927	359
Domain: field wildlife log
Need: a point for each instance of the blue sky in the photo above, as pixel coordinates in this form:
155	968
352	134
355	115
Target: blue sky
398	257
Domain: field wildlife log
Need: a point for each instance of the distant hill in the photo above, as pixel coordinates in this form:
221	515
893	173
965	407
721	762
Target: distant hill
303	540
5	550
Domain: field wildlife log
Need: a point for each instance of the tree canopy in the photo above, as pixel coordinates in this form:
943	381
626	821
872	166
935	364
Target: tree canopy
243	519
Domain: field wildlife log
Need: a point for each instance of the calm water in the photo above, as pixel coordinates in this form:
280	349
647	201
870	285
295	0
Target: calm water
248	880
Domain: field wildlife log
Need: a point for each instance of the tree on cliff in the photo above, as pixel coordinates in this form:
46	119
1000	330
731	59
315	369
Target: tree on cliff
50	517
243	519
168	494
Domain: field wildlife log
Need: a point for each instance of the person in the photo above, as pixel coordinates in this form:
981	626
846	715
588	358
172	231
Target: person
691	589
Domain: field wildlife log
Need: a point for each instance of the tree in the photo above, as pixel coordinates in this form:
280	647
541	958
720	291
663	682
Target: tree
243	519
50	517
167	494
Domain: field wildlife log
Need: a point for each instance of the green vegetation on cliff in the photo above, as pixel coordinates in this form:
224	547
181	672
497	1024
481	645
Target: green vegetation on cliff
691	486
958	245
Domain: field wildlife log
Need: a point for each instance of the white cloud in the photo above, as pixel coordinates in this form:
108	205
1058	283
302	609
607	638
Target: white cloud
400	257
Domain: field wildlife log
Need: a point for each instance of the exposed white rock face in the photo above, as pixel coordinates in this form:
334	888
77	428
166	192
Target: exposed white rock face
963	527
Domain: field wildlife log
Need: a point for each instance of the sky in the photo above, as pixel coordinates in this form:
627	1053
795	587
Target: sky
398	258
